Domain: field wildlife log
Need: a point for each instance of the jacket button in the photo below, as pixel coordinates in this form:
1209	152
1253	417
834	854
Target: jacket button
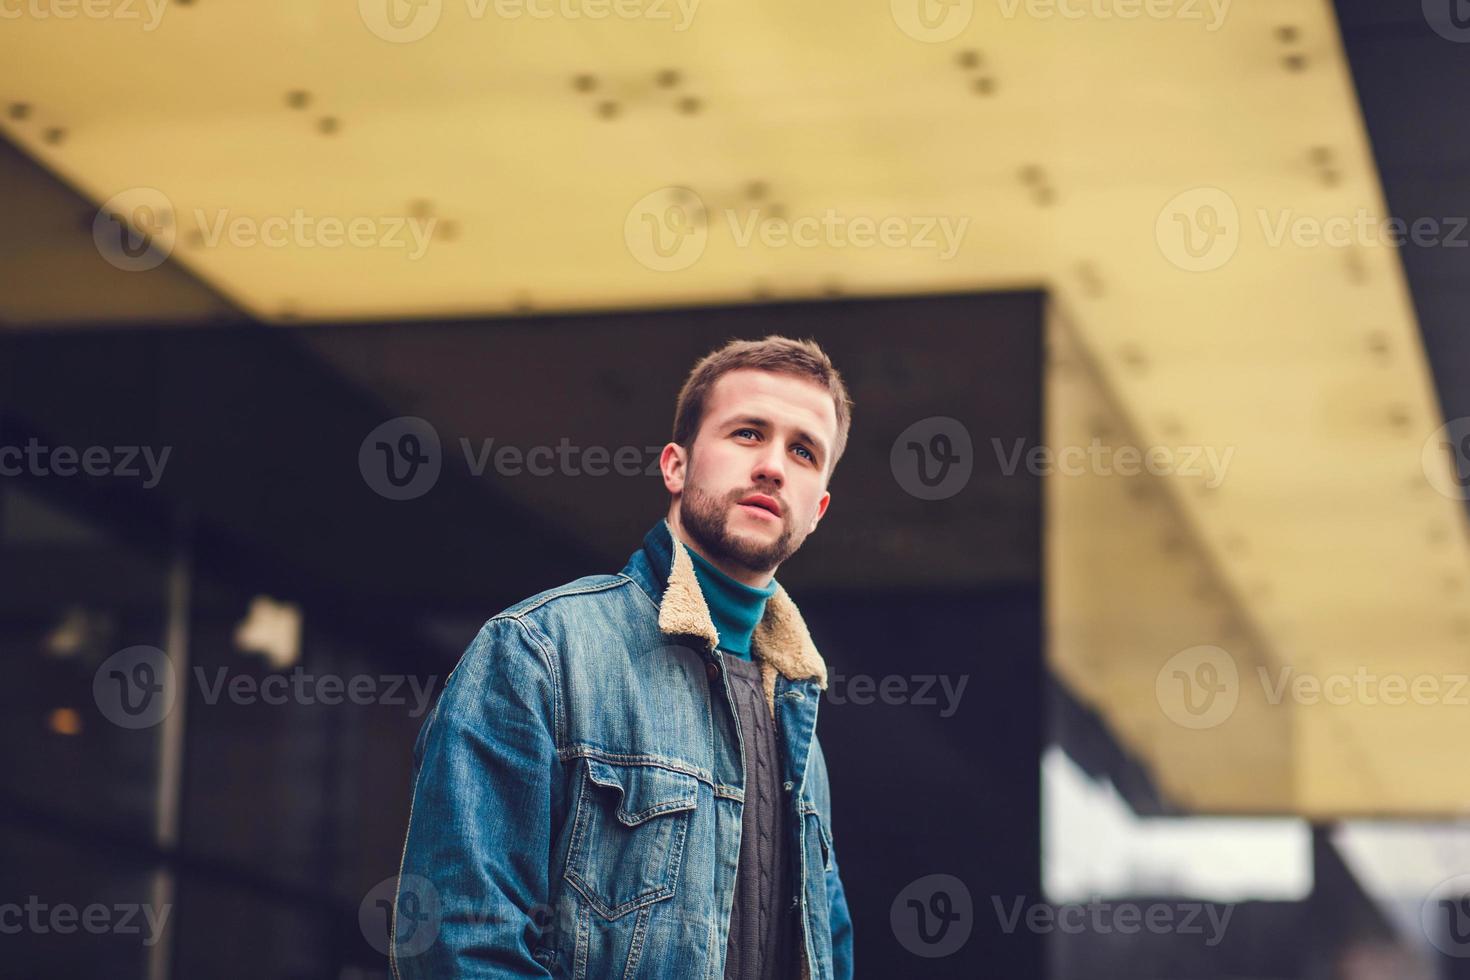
712	669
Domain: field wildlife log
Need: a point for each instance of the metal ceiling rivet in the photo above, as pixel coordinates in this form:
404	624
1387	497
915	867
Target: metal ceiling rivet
1294	62
54	135
756	190
1321	155
328	125
1378	343
984	85
1287	33
667	78
1133	357
420	208
584	83
608	109
777	211
298	98
689	105
19	110
1031	174
446	230
969	58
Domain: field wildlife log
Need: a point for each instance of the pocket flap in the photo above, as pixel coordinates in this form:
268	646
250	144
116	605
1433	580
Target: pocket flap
646	791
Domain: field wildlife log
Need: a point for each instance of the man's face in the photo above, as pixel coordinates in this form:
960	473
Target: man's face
754	483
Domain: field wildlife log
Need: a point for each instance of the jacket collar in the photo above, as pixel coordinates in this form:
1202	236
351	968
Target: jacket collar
781	639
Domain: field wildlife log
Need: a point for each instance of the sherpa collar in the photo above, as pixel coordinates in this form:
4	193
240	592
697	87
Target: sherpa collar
781	641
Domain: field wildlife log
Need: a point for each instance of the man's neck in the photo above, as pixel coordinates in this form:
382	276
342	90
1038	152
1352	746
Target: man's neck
741	574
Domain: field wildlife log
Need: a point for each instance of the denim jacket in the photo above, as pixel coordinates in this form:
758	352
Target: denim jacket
578	785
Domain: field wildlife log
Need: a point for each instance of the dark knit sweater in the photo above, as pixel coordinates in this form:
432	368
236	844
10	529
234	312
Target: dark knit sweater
764	930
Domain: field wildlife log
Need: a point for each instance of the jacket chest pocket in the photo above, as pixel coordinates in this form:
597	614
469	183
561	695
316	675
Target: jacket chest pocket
628	834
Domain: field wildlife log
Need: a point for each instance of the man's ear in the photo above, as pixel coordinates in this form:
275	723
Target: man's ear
821	510
673	462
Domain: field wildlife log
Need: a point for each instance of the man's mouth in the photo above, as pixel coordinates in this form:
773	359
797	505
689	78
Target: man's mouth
760	504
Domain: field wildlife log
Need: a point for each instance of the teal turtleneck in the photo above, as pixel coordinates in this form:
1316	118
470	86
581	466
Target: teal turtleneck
735	607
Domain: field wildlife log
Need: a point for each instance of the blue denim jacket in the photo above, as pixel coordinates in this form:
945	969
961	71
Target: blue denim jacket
578	789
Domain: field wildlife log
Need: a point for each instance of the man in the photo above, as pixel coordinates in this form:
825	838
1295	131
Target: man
621	777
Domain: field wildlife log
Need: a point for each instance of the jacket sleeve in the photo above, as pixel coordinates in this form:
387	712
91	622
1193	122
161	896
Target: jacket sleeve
839	920
473	880
841	923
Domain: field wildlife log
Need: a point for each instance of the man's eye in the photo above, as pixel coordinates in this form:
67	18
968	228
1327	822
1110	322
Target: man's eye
808	452
742	432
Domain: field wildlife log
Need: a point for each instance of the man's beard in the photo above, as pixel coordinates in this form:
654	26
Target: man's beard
706	519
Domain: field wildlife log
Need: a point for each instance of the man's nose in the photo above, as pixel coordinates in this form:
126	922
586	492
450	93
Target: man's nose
770	468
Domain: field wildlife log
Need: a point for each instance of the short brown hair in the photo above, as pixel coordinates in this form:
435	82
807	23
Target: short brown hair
782	355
